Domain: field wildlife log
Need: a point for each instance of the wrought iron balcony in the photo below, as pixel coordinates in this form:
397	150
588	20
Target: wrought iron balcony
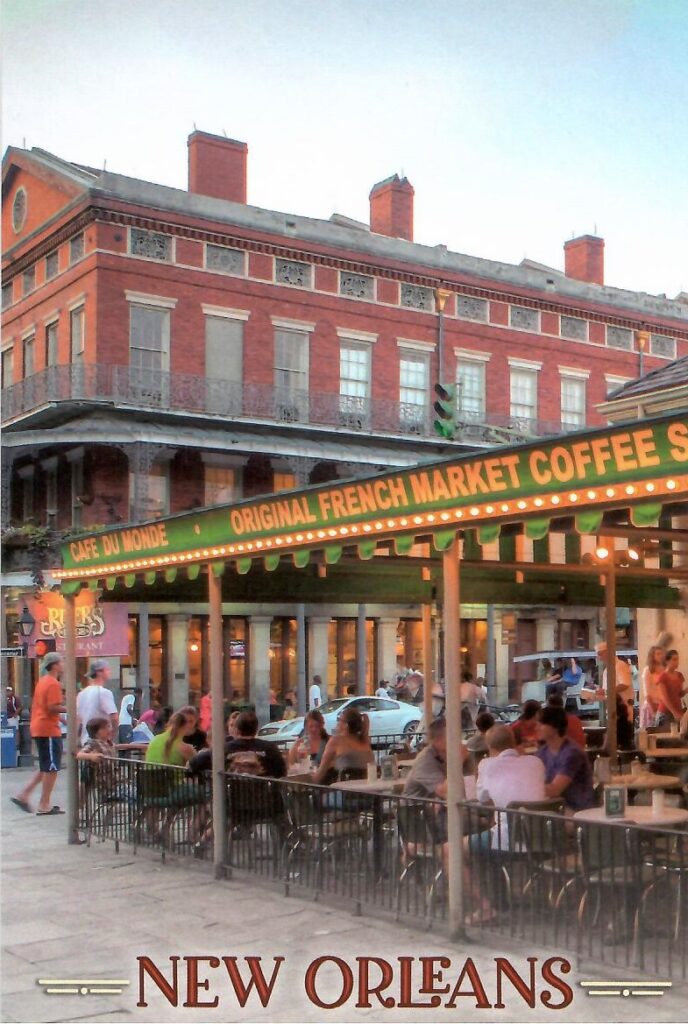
180	393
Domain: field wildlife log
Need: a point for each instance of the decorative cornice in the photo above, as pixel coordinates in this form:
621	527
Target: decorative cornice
108	215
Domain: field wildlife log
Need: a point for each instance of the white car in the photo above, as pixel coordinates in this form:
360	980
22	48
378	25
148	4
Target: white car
387	718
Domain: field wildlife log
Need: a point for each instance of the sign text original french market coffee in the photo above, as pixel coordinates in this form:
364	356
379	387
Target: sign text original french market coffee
613	456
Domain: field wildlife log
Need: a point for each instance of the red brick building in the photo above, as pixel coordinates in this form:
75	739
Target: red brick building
166	349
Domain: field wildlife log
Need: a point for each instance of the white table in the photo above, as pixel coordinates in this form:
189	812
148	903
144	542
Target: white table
646	780
636	814
364	786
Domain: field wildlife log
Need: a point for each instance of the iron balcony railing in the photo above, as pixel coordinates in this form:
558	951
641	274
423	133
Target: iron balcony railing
129	387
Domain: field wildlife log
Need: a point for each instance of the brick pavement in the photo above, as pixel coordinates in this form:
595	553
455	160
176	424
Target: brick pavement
89	912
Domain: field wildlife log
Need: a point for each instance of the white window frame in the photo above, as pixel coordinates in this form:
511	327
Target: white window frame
163	303
29	341
468	358
569	374
420	353
75	310
355	408
292	392
524	366
7	349
49	324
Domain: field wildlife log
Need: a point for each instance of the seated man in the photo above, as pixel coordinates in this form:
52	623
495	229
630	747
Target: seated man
567	769
428	775
507	776
244	752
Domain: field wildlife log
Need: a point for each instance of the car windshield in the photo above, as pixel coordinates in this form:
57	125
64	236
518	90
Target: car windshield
332	705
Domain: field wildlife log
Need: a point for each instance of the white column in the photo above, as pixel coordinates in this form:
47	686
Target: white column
546	631
259	665
501	693
318	628
361	652
301	680
178	659
387	647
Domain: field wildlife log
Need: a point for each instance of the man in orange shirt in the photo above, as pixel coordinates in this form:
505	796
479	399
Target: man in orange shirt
46	708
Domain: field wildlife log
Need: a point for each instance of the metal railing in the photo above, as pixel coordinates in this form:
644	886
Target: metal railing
610	893
130	387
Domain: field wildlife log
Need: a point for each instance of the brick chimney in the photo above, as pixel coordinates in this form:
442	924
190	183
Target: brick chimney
391	208
584	259
217	166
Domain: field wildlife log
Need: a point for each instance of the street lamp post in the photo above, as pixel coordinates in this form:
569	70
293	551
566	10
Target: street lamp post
26	624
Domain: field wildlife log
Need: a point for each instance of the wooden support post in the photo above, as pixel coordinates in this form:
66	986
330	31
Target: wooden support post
69	680
427	663
217	724
610	637
455	787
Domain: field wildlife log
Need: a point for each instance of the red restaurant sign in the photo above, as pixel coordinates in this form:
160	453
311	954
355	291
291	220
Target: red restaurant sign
101	629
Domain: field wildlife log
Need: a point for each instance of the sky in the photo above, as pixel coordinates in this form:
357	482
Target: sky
520	123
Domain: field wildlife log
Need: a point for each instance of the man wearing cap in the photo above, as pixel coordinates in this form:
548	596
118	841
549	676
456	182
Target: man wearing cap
96	700
624	680
13	708
46	708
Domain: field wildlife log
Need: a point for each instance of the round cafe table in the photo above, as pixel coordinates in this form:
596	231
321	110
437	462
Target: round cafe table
636	814
646	780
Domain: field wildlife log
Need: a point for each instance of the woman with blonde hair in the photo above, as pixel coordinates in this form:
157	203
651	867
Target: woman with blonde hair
169	747
650	678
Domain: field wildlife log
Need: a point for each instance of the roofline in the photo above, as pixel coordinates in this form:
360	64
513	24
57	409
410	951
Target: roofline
323	232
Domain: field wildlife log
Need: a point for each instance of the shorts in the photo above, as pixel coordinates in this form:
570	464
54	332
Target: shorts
49	753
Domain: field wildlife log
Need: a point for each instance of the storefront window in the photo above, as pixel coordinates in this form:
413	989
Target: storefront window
282	658
341	672
410	645
236	659
196	657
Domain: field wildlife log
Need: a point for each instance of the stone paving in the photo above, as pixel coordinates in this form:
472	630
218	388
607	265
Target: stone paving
88	913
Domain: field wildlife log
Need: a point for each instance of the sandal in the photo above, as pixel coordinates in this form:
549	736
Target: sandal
53	810
24	804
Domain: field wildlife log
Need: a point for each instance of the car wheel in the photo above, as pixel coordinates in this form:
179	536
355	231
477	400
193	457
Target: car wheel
409	729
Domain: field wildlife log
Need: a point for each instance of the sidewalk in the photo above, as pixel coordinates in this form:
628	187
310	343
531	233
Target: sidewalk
87	913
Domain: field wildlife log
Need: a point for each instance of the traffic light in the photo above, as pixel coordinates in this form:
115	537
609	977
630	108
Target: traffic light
445	407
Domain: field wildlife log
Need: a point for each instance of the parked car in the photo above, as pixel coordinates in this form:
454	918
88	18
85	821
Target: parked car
387	717
575	703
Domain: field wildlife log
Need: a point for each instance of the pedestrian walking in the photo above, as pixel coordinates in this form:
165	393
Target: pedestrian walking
96	700
13	708
315	694
46	708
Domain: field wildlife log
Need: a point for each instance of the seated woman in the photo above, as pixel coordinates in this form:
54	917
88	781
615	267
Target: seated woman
312	741
349	748
169	747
